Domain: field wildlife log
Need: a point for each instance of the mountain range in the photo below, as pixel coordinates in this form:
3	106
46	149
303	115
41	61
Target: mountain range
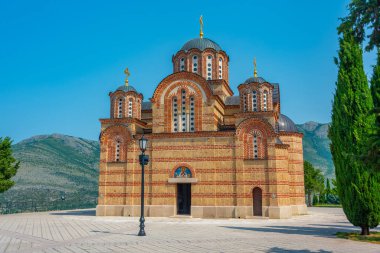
56	167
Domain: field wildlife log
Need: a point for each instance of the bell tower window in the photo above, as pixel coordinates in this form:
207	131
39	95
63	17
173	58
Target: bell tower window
209	67
245	107
195	64
265	98
120	108
182	64
130	108
220	68
254	101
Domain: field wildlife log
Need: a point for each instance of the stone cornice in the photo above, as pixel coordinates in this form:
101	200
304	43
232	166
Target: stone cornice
123	120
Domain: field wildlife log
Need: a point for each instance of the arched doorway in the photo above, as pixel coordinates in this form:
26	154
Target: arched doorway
183	190
257	202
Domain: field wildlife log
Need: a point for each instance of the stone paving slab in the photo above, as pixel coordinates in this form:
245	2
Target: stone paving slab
81	231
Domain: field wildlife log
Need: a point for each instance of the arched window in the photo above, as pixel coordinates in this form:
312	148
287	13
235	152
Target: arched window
254	101
175	114
182	64
130	108
220	68
195	64
245	107
265	98
120	108
192	114
117	151
255	146
183	111
209	67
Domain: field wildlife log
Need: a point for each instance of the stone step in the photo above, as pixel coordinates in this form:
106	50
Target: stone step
257	217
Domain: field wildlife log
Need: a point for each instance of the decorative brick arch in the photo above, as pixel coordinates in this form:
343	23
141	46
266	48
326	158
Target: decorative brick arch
255	127
174	90
180	76
255	123
171	175
110	137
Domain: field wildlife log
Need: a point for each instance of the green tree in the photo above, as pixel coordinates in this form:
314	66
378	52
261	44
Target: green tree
328	186
314	181
364	16
334	190
358	187
8	164
372	152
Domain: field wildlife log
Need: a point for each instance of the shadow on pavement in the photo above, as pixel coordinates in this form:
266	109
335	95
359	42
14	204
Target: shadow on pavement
314	231
280	250
87	212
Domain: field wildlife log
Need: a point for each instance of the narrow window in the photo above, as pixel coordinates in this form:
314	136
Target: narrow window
130	109
182	64
245	108
120	108
254	101
192	114
265	96
220	68
255	147
183	111
209	67
195	64
175	115
117	151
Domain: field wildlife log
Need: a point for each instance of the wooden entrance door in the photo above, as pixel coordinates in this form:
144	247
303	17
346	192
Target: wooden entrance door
257	202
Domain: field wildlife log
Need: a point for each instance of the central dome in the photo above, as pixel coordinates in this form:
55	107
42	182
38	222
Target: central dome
126	88
255	80
201	44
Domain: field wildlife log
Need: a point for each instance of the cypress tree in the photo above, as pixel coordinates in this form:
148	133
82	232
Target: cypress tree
372	153
358	187
375	85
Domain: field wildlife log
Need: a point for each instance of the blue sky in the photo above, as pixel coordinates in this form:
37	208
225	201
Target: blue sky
60	59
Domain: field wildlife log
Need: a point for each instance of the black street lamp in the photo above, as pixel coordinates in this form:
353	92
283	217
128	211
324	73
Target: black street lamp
144	159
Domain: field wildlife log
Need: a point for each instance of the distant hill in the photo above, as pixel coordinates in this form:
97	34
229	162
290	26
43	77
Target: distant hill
53	166
56	165
316	146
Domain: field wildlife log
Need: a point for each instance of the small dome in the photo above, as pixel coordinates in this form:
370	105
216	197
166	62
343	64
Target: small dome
285	124
255	80
126	88
201	44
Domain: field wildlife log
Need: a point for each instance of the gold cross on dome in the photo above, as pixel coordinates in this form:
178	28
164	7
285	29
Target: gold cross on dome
127	74
254	67
201	30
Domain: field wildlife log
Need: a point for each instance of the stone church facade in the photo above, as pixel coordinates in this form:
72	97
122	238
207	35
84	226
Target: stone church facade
212	154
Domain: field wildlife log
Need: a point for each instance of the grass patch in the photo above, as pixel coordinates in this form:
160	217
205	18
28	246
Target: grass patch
327	205
374	237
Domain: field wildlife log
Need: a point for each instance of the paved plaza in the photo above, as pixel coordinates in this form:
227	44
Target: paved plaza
81	231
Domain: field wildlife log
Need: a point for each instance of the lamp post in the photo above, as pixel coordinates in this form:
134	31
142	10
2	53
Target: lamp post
144	159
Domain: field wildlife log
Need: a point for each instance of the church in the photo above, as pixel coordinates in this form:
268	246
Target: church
212	154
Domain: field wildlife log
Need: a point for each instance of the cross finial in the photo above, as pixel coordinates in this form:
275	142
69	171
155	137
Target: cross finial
127	74
201	23
254	67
